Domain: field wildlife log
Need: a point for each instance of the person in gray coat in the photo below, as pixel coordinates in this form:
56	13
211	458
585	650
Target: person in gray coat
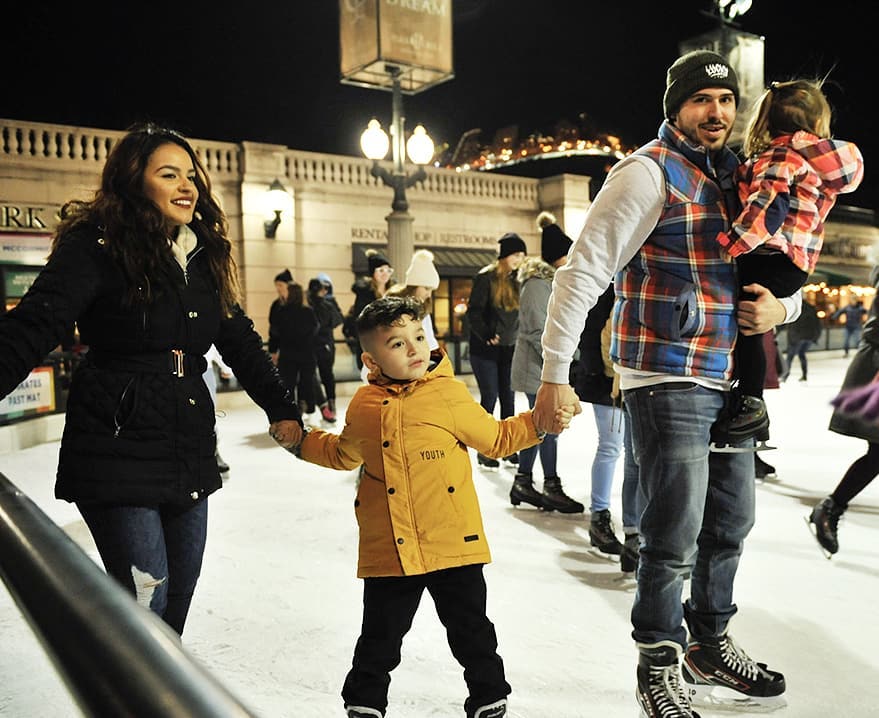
535	285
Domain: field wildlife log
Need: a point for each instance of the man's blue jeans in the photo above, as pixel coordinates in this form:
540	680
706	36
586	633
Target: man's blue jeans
154	552
699	507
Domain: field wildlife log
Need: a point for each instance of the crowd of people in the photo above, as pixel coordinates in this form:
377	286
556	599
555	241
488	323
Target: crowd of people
655	315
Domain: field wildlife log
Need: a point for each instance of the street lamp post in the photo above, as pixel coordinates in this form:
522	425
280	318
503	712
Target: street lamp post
374	142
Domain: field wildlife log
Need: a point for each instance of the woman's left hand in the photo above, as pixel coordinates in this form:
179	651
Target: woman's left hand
287	433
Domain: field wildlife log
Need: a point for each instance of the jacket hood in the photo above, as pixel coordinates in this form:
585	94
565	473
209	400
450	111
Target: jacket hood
535	267
837	162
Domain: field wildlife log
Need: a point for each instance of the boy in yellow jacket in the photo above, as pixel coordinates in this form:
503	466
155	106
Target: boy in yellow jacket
417	508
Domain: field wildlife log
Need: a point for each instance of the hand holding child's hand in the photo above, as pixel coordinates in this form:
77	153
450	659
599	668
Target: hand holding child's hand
287	433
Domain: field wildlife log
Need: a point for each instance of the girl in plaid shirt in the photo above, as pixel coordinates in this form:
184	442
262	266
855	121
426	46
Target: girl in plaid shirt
788	185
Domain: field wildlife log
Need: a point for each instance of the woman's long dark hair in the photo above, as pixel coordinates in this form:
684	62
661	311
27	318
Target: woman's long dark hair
133	227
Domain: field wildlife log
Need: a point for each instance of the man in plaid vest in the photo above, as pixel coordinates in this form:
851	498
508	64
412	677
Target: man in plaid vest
652	230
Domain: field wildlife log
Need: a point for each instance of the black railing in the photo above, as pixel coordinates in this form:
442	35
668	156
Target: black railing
115	657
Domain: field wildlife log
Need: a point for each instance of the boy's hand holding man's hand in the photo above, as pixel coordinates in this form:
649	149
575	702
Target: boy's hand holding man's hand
563	416
287	433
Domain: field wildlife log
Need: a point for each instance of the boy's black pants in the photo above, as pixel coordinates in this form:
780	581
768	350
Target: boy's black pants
389	605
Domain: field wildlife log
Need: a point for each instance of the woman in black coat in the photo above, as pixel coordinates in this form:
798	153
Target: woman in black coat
145	271
859	423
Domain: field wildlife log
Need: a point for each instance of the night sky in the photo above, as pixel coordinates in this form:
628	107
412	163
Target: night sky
269	71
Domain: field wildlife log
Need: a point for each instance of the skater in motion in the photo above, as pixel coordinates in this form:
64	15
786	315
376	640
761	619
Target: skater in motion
672	347
856	414
788	186
417	508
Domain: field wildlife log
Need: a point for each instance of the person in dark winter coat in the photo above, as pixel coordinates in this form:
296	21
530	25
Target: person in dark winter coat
855	415
366	289
801	335
146	272
329	316
293	328
493	319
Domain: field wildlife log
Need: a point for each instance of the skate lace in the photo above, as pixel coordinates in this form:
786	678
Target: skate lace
736	659
667	693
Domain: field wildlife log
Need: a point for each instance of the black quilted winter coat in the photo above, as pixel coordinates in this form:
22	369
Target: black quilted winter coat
135	431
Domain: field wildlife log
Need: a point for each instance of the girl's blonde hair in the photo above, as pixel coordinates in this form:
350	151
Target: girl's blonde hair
408	290
785	108
504	290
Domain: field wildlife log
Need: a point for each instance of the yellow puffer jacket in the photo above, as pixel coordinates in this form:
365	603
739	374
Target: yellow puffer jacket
416	503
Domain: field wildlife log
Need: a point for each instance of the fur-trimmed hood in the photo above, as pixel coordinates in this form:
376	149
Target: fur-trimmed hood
534	267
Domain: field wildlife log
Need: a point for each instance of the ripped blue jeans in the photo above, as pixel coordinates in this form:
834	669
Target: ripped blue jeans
154	552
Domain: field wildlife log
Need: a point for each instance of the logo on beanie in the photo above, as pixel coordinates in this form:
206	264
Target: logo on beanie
717	71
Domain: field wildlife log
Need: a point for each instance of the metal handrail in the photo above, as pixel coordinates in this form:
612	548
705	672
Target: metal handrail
115	656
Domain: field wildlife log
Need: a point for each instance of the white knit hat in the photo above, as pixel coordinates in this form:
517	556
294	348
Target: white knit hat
422	272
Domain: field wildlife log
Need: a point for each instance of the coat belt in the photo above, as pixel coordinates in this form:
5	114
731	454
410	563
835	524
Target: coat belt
175	362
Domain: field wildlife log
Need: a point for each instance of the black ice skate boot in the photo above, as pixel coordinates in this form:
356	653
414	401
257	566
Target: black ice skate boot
719	673
498	709
487	462
660	693
601	533
555	498
824	522
523	491
363	712
512	460
745	418
631	553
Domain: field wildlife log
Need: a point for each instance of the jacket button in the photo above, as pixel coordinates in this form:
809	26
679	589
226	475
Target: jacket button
192	401
385	401
392	490
399	540
451	489
386	444
194	495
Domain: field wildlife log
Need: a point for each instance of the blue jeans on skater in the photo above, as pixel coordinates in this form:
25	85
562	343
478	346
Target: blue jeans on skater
699	507
609	422
493	379
154	552
548	450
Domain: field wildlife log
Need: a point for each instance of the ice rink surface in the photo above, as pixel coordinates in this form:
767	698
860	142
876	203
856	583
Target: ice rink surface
277	610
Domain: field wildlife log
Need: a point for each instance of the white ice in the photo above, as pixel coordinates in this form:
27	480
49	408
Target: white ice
277	610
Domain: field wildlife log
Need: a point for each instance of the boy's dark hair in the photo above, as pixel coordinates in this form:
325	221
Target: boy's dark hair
386	312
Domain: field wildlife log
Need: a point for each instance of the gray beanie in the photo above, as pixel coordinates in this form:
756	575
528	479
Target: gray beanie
693	72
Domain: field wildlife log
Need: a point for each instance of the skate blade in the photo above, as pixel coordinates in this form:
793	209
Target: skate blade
721	698
731	449
811	527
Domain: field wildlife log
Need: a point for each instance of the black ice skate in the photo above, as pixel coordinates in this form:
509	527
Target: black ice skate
744	419
718	673
363	712
498	709
659	692
555	498
487	462
523	491
601	534
823	522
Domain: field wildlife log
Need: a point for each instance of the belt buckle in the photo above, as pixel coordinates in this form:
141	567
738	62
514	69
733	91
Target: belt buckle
177	359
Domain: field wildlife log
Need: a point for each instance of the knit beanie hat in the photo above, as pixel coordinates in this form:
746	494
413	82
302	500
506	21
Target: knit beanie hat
376	259
315	285
510	243
422	272
554	243
284	276
693	72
